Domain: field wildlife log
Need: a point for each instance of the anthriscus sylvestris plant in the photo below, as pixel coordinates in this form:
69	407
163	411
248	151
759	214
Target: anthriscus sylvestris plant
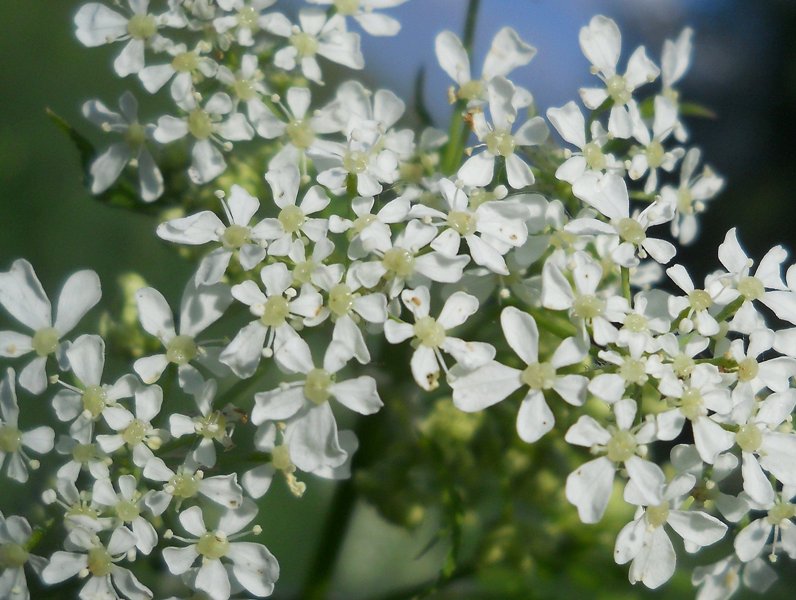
548	384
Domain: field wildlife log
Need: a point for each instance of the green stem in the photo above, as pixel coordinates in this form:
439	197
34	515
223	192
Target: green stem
626	285
458	129
555	325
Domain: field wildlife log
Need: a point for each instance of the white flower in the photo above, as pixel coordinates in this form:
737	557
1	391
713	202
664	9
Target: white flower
493	382
653	155
368	230
589	486
720	580
85	402
431	335
204	124
690	196
15	533
311	428
609	195
506	53
752	539
13	440
22	296
273	310
246	21
201	306
135	430
96	24
601	43
186	68
364	13
238	238
478	170
675	61
704	392
271	438
293	219
402	262
315	35
500	223
582	301
132	150
644	540
126	507
571	125
88	557
187	482
252	565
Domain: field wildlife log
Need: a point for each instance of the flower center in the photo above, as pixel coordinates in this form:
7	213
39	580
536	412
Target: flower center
462	222
142	27
235	236
594	156
631	231
135	432
244	89
316	388
655	154
45	341
355	161
94	398
618	89
748	369
633	371
691	404
340	299
347	7
429	332
500	142
621	446
12	556
749	437
292	218
636	323
181	350
213	545
212	427
127	511
10	439
276	311
587	306
135	135
657	515
700	300
539	376
99	562
248	18
199	124
685	201
183	485
781	512
300	133
399	261
751	288
302	272
683	365
472	90
306	46
185	62
84	453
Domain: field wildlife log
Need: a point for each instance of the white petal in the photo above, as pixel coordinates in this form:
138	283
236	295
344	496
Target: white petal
22	296
589	488
359	395
80	293
534	418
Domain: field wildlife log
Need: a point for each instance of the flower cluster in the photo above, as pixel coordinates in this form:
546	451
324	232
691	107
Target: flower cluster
336	248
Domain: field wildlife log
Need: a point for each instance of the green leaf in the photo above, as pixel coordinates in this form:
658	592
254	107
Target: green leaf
692	109
84	147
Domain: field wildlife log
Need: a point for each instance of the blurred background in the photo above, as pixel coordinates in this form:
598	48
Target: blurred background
744	69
